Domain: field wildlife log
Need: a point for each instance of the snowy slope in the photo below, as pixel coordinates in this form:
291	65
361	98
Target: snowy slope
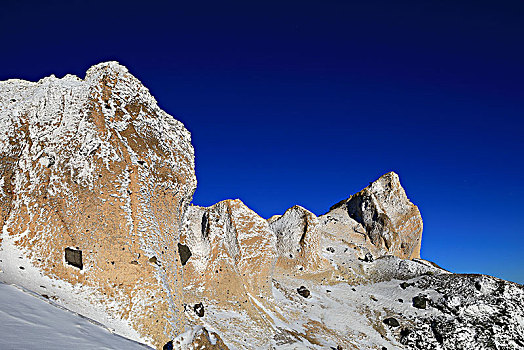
30	322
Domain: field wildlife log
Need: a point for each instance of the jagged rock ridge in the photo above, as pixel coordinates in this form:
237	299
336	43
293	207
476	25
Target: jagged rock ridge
95	186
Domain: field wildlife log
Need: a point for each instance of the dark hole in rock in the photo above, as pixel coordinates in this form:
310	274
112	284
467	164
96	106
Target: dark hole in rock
303	291
141	162
404	285
330	249
420	302
168	346
392	322
477	285
74	257
205	225
184	252
199	309
400	301
21	268
134	262
154	260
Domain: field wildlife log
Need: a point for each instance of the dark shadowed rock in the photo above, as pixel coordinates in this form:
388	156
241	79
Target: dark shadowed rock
303	291
184	252
391	321
404	285
420	302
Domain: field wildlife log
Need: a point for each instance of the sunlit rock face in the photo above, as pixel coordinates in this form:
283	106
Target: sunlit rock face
391	222
298	241
228	280
96	167
377	221
232	248
95	189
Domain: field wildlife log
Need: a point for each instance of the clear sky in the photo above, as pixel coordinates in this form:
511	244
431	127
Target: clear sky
306	102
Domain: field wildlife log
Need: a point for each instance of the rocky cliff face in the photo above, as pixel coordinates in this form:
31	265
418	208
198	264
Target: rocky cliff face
94	181
95	189
392	223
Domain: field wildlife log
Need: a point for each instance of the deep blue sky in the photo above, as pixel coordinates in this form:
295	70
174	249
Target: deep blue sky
306	102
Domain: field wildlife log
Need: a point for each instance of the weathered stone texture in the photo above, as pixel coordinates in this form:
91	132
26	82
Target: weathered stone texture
96	165
233	252
390	220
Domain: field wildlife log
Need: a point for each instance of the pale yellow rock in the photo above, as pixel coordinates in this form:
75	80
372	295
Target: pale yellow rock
298	241
231	267
388	217
233	252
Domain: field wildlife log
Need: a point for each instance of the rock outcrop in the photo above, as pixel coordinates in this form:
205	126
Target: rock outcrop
390	220
233	253
298	241
95	189
96	167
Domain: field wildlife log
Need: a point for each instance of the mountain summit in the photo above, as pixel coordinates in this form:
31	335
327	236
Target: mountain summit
96	184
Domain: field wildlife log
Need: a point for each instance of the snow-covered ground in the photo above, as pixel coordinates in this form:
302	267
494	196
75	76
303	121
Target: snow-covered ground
28	321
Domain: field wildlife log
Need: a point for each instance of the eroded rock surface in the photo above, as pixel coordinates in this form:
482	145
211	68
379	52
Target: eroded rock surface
388	217
95	186
469	312
298	241
96	166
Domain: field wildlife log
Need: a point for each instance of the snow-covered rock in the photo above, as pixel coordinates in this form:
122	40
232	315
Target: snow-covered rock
96	167
298	241
95	189
233	252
